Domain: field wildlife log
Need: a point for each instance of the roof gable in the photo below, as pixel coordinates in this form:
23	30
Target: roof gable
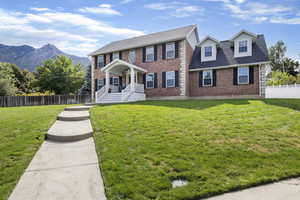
243	32
208	38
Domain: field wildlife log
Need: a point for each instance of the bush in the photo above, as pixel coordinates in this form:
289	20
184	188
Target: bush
281	78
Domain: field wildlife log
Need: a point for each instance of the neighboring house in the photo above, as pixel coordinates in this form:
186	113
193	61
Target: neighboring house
174	65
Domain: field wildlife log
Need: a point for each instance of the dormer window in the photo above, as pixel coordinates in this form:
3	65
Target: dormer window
116	55
243	48
170	50
208	51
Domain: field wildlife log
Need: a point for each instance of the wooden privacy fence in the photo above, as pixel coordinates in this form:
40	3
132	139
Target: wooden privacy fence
12	101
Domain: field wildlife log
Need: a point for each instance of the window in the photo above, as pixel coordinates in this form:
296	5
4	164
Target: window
170	50
131	57
243	46
116	55
243	75
208	51
149	54
115	81
170	79
100	83
207	78
150	80
101	61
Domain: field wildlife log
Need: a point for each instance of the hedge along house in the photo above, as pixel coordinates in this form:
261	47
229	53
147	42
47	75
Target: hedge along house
174	65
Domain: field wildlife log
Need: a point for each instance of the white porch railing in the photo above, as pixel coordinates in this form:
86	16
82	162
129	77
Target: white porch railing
139	88
100	93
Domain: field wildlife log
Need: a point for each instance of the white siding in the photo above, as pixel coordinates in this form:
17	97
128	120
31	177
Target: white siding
243	37
192	39
214	50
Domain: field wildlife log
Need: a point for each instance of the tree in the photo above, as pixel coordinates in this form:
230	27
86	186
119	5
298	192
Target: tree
281	63
86	89
6	88
7	79
60	76
280	78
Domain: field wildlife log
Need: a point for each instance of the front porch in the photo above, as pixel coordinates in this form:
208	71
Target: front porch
124	83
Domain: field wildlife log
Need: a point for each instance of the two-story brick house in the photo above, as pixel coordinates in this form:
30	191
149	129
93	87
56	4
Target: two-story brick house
174	65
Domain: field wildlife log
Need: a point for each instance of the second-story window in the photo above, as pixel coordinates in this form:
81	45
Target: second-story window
131	56
116	55
243	46
100	61
150	54
208	51
170	50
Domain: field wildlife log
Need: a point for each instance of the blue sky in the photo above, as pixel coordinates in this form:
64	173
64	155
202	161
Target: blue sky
81	26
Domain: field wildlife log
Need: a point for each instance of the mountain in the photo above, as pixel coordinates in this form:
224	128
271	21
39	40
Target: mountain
27	57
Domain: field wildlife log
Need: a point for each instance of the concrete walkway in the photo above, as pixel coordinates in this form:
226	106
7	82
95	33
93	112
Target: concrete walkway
66	166
283	190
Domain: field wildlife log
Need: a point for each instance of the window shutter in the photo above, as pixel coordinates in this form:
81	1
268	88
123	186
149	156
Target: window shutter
177	49
164	79
200	78
96	62
104	57
111	80
214	77
251	75
96	84
111	57
235	74
155	52
176	79
104	81
144	54
155	80
120	80
144	80
120	55
163	53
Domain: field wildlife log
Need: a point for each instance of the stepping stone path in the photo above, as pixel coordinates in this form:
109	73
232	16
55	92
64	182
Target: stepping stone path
66	166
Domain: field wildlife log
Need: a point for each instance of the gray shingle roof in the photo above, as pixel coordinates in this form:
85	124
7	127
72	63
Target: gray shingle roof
154	38
225	55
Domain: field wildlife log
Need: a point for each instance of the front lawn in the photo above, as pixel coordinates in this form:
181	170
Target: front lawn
217	145
22	131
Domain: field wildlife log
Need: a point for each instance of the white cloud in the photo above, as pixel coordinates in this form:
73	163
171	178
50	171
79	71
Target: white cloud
240	1
40	9
58	28
176	9
102	9
282	20
126	1
256	12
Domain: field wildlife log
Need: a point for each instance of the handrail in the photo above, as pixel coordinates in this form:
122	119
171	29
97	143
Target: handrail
100	93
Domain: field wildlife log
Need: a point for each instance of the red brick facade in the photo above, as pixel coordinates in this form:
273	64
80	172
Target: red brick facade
224	85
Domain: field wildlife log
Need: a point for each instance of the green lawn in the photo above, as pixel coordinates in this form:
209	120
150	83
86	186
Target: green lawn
217	145
22	131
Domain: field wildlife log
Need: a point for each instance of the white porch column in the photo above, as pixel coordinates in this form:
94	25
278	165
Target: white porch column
107	81
132	75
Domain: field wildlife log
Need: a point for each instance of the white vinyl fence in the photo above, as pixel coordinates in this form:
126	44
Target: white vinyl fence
283	91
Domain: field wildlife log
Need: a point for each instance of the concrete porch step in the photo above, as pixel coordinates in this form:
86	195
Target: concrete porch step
78	108
67	131
73	115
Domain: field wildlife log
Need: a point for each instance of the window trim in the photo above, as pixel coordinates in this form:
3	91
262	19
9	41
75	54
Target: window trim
211	48
174	49
241	41
238	76
212	78
150	81
166	81
116	53
148	47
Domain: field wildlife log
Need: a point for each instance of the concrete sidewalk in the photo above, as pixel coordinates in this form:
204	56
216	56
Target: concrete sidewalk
66	170
283	190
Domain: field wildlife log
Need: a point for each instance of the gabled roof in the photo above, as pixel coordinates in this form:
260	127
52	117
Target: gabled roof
209	38
154	38
245	32
119	62
225	55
